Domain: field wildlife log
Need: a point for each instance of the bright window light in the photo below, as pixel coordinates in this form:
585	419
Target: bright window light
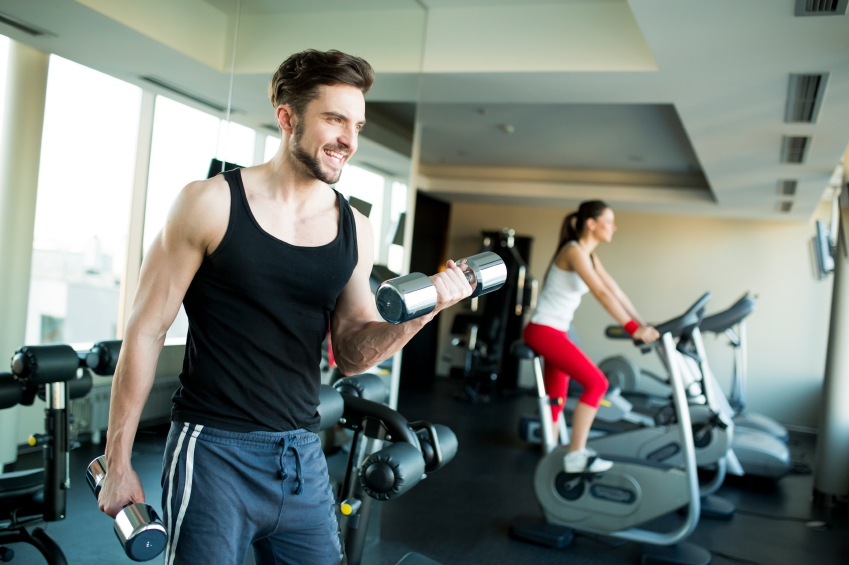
83	204
236	143
183	145
366	186
272	144
398	204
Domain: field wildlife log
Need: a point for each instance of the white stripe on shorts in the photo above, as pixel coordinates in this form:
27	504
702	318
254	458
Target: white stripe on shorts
174	457
187	492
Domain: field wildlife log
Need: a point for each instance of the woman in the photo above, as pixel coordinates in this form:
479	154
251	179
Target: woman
574	271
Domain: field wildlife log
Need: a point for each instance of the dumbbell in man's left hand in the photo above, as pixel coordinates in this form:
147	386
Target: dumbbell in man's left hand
451	287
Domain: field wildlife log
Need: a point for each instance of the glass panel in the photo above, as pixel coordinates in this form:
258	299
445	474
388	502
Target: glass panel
397	207
183	145
83	204
368	187
184	142
236	143
272	144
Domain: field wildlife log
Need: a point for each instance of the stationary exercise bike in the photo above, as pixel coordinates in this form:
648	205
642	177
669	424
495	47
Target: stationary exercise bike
754	451
631	493
732	323
57	374
621	431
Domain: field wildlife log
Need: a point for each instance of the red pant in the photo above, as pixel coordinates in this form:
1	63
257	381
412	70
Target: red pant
562	360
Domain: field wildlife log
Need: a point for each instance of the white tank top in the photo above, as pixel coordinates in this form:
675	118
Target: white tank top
560	297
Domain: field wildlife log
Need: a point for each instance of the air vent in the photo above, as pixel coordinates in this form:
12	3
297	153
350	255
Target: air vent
787	187
177	90
794	147
23	26
804	97
785	207
821	7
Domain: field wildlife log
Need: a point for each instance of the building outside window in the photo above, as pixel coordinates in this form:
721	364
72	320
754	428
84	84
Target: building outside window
83	204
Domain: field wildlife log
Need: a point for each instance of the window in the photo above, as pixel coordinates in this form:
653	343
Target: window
272	144
184	143
83	204
369	187
236	143
398	206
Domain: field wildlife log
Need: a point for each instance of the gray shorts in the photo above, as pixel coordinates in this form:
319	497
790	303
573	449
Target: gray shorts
225	491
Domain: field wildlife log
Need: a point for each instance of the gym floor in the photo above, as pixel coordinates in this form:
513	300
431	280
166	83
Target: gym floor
461	514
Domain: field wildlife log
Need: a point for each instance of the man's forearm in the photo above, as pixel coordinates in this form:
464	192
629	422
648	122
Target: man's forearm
130	388
372	343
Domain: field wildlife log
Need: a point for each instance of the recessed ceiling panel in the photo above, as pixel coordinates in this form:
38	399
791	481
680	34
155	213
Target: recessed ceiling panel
645	137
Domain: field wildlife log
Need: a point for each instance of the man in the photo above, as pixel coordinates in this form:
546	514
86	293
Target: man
262	259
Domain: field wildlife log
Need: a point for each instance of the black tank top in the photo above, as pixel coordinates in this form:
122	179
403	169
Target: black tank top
258	311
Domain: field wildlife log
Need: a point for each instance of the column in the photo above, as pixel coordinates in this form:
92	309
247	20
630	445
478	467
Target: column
20	152
831	470
135	234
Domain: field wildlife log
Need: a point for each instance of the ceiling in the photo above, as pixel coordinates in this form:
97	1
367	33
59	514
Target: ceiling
663	105
557	136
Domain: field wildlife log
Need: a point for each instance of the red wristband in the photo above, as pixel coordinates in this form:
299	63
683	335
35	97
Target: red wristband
631	327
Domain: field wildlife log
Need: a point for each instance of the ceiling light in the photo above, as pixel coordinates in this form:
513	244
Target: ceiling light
804	97
507	128
787	187
821	7
794	148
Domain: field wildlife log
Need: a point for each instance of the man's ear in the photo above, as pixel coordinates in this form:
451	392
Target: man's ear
286	118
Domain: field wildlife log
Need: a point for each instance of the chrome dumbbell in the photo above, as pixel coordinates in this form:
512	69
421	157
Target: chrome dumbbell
137	526
404	298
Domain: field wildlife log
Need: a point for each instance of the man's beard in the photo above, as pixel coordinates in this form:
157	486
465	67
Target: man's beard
312	164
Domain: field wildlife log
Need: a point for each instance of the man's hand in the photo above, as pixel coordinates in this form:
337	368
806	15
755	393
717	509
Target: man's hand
120	489
451	287
646	334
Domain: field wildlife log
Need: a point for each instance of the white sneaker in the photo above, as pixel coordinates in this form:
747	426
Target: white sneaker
585	460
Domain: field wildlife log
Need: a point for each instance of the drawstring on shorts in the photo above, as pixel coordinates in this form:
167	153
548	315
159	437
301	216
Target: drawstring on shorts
287	443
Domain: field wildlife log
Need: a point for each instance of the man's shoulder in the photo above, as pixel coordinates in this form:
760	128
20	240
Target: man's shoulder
208	192
202	210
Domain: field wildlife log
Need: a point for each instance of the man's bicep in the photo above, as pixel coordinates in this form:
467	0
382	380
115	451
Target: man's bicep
355	306
165	276
168	268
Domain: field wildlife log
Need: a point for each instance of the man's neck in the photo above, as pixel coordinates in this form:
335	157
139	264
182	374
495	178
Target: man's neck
288	179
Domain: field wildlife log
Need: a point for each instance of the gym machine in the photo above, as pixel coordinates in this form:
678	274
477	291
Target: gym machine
388	455
56	374
755	451
496	321
732	323
615	503
656	438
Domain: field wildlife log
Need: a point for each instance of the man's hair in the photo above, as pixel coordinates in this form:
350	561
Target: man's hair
297	80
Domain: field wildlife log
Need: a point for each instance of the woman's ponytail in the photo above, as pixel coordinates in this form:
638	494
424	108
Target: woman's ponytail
567	230
574	223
